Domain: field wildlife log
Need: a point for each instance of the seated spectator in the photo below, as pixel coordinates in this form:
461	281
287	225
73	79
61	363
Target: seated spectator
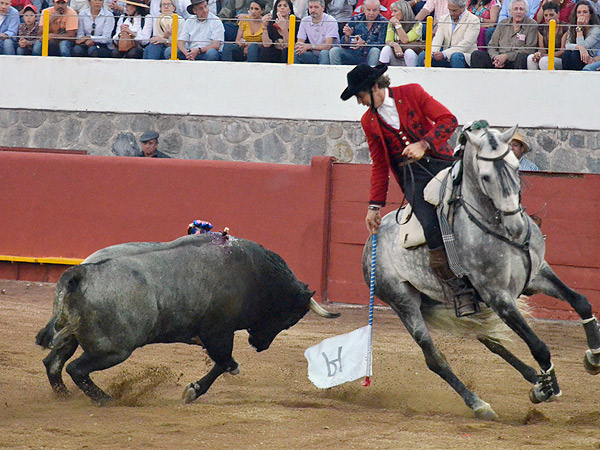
340	10
62	31
519	148
532	5
439	8
180	8
455	36
385	8
159	46
79	5
94	33
232	11
9	27
365	35
583	38
539	59
514	39
149	140
28	31
565	8
132	31
276	34
202	35
249	37
321	31
19	5
487	11
403	34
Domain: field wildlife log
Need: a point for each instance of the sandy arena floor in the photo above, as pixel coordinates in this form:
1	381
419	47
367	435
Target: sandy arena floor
272	405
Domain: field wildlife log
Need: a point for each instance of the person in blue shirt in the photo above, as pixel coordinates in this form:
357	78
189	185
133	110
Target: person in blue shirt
519	148
9	26
363	37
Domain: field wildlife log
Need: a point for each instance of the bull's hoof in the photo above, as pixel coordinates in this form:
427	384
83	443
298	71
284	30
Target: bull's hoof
61	391
189	393
233	369
485	412
591	362
546	389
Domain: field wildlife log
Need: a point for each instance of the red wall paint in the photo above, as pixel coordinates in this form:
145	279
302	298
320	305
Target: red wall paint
55	205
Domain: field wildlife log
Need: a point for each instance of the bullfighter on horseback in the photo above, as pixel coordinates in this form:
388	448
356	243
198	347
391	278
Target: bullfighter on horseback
407	131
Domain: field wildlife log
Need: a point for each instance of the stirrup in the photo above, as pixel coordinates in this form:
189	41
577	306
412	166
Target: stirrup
467	308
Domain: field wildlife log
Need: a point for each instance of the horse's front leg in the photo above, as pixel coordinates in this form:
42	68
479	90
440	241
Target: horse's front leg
546	387
405	301
548	283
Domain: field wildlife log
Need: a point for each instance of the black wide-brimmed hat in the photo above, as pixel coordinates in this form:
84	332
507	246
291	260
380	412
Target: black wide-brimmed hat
190	7
361	78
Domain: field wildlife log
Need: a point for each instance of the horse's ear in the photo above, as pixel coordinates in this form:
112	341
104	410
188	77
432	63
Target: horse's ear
473	139
508	134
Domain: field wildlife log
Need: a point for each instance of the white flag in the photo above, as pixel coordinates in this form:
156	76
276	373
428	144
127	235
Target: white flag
340	359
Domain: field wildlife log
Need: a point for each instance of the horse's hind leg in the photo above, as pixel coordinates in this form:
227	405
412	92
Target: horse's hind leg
406	304
55	361
546	388
548	283
496	347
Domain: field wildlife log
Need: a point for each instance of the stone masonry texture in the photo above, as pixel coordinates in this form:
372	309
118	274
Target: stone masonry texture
257	140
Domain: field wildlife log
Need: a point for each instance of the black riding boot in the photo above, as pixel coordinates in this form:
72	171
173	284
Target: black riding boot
463	295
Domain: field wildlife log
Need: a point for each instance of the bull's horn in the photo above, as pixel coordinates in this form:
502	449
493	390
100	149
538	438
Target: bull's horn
318	309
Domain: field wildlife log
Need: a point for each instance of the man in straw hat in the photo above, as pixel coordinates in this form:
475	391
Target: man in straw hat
407	130
519	148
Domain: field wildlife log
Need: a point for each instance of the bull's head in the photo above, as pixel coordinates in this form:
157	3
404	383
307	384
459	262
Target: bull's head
264	333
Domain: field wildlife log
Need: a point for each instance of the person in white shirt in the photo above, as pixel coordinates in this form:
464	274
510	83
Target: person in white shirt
455	37
96	24
202	35
133	31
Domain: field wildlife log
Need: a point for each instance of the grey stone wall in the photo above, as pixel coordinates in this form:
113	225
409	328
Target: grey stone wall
258	140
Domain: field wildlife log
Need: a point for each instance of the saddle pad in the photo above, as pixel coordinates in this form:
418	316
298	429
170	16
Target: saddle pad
411	233
431	193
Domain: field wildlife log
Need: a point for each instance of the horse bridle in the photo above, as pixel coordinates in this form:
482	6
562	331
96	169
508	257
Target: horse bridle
499	212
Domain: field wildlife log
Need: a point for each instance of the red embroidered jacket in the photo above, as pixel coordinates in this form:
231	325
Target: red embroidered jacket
421	118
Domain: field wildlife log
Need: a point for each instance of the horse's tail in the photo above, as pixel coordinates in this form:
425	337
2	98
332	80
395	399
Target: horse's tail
65	320
486	323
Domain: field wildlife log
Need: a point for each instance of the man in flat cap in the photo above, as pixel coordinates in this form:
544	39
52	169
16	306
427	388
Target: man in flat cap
407	132
149	140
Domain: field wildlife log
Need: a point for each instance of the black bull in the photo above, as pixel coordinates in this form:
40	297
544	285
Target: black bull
199	288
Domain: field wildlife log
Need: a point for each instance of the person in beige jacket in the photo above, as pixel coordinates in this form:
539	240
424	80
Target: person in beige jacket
455	37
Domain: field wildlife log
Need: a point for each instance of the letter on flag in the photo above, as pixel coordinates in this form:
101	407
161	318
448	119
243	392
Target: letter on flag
340	359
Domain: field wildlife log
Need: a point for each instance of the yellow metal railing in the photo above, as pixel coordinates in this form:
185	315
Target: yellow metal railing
292	39
428	38
45	260
551	44
174	37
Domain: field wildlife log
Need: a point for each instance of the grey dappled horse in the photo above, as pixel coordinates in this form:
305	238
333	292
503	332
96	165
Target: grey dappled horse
502	251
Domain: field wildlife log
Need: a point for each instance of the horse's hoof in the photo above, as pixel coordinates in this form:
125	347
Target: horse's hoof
537	394
546	388
591	362
485	412
189	394
103	400
61	391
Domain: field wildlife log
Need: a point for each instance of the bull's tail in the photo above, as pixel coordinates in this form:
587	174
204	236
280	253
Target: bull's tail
65	319
485	323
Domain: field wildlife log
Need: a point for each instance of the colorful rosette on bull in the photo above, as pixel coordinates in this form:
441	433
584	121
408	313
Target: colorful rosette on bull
199	227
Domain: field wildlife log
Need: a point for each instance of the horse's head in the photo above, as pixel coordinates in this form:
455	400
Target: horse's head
496	170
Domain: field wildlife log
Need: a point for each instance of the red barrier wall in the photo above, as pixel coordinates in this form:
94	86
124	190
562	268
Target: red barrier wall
54	205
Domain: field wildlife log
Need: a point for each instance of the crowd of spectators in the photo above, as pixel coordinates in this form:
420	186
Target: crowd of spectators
494	34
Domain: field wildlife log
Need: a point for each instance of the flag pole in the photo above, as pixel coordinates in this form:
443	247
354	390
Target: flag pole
367	380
